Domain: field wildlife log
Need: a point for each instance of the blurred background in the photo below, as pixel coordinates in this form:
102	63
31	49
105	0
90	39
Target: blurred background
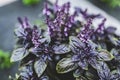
11	9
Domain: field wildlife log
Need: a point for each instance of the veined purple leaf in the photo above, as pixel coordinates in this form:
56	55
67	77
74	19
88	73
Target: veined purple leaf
75	43
66	65
105	55
95	63
61	49
104	71
26	71
78	73
19	54
110	30
40	67
83	64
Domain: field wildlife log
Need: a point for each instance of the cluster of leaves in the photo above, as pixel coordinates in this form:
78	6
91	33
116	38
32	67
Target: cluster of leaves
30	2
67	47
4	59
112	3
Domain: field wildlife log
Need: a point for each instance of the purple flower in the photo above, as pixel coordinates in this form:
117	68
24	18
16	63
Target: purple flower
61	21
87	31
36	36
101	27
31	36
86	15
24	23
82	46
100	32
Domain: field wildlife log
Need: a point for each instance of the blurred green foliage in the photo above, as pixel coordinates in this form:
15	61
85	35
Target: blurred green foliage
112	3
30	2
4	60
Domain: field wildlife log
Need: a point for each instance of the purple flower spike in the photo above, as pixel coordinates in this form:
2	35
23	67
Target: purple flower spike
46	11
86	33
24	23
20	21
31	35
101	27
35	36
86	15
61	21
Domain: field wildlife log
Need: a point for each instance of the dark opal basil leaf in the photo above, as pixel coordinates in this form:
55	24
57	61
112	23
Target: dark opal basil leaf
81	78
115	75
83	64
19	32
78	73
44	78
42	40
47	37
102	45
104	72
114	40
89	75
114	71
66	65
110	30
40	67
76	58
94	63
26	72
105	55
92	44
116	54
61	49
19	54
27	60
75	43
35	50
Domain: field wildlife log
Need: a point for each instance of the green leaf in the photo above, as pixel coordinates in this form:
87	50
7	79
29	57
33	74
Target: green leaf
61	49
30	2
66	65
105	55
75	43
40	67
18	54
4	59
112	3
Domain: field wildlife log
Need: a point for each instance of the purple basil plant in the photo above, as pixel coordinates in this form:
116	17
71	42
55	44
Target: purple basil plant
66	49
